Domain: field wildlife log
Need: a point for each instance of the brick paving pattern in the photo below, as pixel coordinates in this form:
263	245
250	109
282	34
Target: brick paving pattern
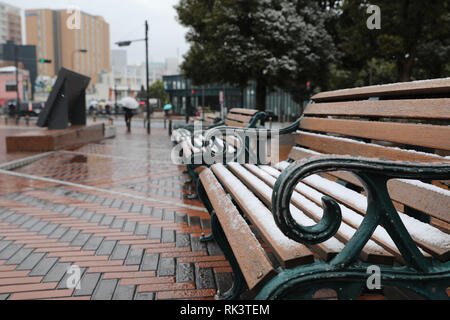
114	209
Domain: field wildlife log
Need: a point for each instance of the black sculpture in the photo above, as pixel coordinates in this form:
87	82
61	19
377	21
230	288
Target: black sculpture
67	101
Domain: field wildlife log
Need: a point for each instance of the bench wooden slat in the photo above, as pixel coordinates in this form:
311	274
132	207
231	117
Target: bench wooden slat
288	252
441	225
424	135
244	111
253	262
239	118
353	212
421	199
434	86
424	199
298	153
438	250
339	146
374	252
433	203
407	108
232	123
326	250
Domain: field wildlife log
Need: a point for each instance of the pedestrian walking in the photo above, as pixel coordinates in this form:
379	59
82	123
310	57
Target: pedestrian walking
128	117
129	104
108	109
167	109
11	109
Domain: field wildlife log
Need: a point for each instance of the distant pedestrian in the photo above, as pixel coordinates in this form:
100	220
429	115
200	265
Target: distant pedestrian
11	109
128	117
108	109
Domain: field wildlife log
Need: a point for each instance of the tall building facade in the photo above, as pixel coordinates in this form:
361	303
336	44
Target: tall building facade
84	48
172	66
10	24
156	71
41	32
119	63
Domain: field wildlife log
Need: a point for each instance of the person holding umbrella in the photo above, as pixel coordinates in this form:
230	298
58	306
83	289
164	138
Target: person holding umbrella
129	104
166	109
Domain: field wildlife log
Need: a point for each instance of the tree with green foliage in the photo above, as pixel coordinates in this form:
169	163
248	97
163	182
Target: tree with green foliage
157	91
276	43
142	94
283	44
413	42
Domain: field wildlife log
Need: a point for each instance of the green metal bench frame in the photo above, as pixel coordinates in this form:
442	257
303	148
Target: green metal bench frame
345	273
190	127
191	166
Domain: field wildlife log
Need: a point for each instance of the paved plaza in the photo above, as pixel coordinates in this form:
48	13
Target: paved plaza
116	210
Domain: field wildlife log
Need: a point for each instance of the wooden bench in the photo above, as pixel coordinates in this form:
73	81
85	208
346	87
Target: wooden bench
210	121
364	189
237	117
192	144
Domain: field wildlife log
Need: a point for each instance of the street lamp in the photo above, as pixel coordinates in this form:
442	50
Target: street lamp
115	98
128	43
73	55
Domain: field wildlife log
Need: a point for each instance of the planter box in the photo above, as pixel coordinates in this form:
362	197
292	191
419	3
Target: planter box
51	140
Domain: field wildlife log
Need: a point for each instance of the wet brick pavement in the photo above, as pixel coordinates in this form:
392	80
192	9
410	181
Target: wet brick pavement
114	209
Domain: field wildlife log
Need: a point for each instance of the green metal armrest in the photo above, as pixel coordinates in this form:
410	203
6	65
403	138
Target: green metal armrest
374	175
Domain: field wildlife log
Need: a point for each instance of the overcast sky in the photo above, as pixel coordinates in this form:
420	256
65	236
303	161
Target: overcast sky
126	19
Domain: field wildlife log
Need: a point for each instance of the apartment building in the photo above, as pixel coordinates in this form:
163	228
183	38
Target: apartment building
10	24
83	47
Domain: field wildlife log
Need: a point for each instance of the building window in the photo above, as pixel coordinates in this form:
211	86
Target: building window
10	87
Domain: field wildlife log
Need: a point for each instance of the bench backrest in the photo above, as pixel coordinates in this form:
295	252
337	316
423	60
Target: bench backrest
243	118
212	118
404	121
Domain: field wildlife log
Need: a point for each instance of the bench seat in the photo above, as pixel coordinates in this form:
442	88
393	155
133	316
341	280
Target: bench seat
365	184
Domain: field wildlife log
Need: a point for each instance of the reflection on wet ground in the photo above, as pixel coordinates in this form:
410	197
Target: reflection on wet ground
116	209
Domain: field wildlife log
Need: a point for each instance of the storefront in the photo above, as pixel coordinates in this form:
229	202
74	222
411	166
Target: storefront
185	95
